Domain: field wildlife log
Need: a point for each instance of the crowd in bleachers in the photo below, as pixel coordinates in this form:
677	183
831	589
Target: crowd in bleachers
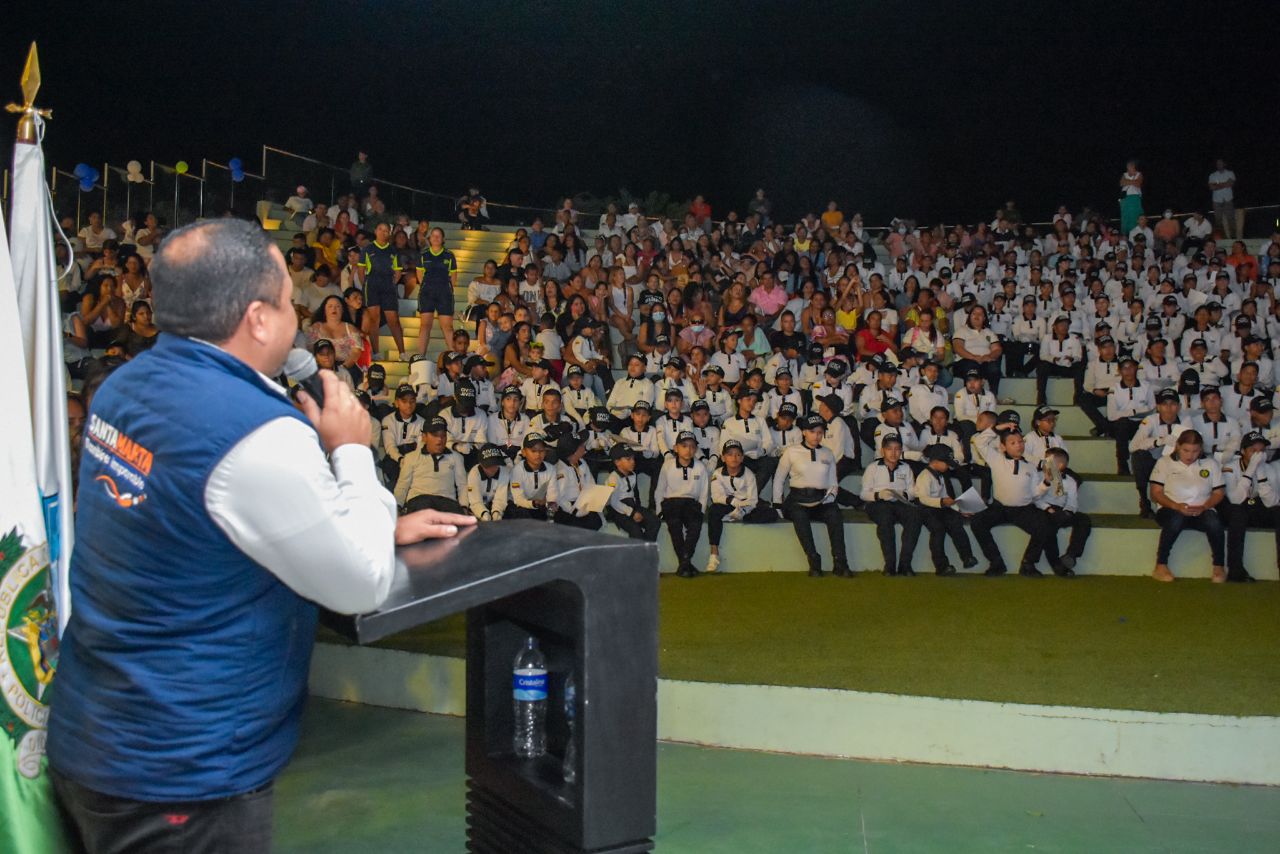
744	369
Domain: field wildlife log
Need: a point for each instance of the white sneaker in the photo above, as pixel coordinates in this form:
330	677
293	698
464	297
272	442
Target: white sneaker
713	564
404	357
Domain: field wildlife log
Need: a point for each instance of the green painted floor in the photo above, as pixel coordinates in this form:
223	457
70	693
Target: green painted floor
1097	642
372	779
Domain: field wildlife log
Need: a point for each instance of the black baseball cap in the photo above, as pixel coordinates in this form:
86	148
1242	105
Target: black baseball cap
491	454
834	401
600	416
1253	437
642	405
1261	404
699	406
637	357
812	422
973	374
685	436
322	344
512	391
436	425
714	369
1166	395
1043	412
1199	342
674	391
545	364
618	452
888	368
890	403
1009	416
730	445
939	453
835	368
891	438
464	388
475	361
782	372
791	409
405	390
1207	390
377	371
675	362
532	439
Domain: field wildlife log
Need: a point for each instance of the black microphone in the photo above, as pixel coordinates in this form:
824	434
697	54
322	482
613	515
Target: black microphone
300	367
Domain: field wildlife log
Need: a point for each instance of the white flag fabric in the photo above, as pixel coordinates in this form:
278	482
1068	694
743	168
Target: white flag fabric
31	246
28	621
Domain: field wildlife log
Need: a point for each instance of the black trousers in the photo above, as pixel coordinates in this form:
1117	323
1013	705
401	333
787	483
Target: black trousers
763	468
979	473
761	514
1173	523
990	371
1122	431
942	523
1095	408
589	522
1029	518
888	514
1241	517
435	502
684	525
1021	358
645	529
515	511
844	468
1078	523
852	424
1047	369
1144	462
650	467
103	824
802	518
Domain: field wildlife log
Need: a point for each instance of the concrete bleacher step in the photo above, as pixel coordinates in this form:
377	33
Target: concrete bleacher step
1108	495
1119	545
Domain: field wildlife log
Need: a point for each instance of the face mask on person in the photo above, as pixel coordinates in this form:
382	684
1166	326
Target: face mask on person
659	315
697	327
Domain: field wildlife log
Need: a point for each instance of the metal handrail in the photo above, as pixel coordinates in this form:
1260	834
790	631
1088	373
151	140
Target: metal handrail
380	181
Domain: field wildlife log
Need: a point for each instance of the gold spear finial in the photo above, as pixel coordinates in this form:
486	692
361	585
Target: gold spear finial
27	111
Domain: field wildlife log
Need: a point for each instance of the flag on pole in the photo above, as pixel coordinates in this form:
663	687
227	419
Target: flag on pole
28	617
39	313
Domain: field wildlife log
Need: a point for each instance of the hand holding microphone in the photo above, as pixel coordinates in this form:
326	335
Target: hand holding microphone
327	402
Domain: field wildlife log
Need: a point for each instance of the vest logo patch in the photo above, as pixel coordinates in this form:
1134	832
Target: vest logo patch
28	648
127	463
1204	472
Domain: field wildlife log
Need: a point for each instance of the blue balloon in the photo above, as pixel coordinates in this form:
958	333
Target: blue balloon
86	185
93	175
236	164
81	170
237	175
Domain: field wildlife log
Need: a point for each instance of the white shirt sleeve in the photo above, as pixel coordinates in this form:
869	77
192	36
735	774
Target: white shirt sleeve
325	529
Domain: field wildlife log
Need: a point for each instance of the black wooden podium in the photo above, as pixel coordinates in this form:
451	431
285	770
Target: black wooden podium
591	601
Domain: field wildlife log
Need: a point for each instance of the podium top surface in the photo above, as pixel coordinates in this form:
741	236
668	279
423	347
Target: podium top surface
437	578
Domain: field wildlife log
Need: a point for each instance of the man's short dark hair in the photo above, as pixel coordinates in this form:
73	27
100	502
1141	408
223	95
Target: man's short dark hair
205	275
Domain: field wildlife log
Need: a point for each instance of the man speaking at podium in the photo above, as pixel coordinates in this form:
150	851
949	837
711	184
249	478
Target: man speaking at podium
210	524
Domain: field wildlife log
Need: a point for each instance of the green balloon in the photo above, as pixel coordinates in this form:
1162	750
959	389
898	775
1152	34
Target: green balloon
181	167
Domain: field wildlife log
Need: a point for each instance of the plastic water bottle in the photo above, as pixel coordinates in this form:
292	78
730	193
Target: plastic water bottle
571	748
529	693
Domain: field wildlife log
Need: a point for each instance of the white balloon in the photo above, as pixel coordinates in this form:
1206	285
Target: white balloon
134	167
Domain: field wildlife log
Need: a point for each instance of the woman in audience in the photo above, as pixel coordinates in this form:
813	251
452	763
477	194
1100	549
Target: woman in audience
734	306
516	356
977	346
141	332
872	340
491	338
134	282
1187	487
330	322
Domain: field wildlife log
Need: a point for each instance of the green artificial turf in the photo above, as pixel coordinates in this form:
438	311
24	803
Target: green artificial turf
1105	642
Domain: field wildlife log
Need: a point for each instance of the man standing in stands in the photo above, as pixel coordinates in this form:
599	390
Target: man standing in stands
183	670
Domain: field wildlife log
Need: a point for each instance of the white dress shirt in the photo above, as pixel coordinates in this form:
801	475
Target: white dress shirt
325	528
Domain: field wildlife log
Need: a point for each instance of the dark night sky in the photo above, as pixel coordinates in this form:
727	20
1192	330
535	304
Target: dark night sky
928	109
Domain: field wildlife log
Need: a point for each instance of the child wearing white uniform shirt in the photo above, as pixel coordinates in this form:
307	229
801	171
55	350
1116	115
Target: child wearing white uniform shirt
1252	500
734	498
1187	487
489	485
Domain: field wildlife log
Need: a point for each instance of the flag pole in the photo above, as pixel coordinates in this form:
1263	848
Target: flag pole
27	111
